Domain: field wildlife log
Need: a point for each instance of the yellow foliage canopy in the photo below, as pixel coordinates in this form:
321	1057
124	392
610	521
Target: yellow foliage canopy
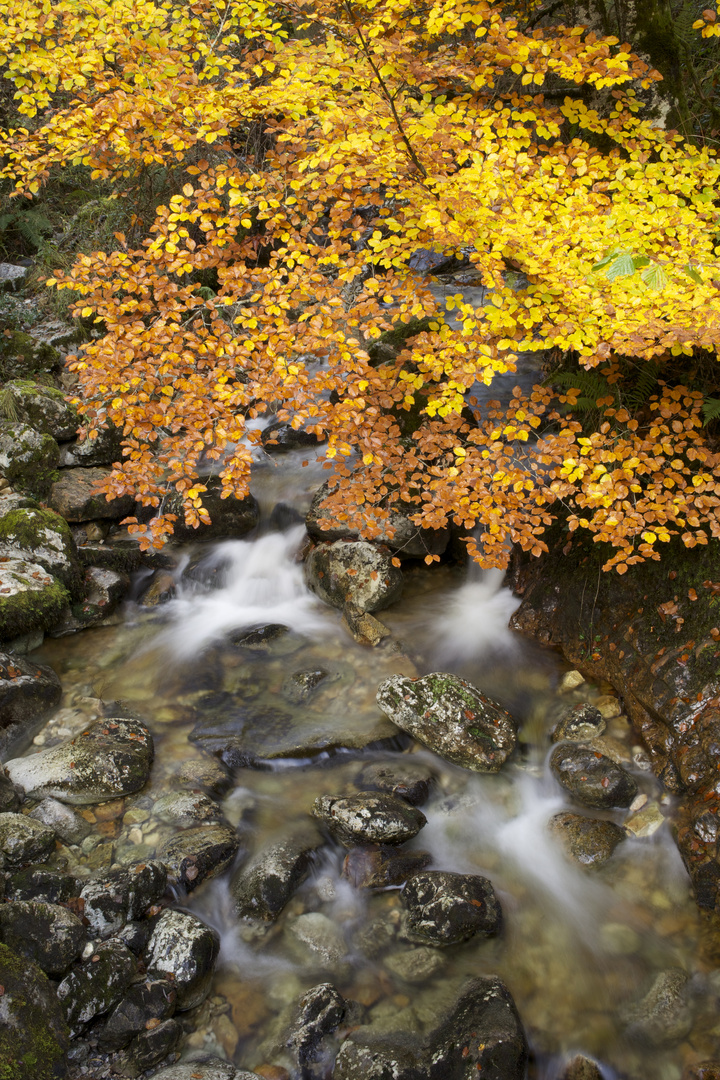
388	132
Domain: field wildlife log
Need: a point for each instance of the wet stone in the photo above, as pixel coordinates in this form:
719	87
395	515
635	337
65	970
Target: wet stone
415	965
49	935
111	757
451	717
645	822
149	1048
581	1068
27	692
205	773
214	1069
95	986
262	889
320	1012
404	779
33	1033
113	899
261	638
281	438
194	855
704	1070
136	934
445	908
153	999
364	627
9	798
479	1034
358	575
663	1017
369	819
591	777
39	883
321	940
377	867
23	840
65	822
299	687
586	841
184	950
580	723
187	808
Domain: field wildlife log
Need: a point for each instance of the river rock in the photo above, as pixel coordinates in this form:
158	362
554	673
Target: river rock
183	949
9	798
376	867
33	1033
194	855
321	940
300	686
66	823
403	778
27	692
30	598
587	841
102	591
229	518
591	777
580	723
663	1017
23	840
149	1048
111	758
452	717
214	1069
96	985
408	539
581	1068
49	935
479	1034
445	908
42	537
320	1012
206	773
369	819
358	575
262	889
104	449
43	408
153	999
28	460
187	808
415	965
75	496
41	883
113	899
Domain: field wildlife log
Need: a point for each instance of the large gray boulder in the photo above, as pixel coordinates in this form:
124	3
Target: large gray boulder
76	498
42	537
408	540
43	408
353	575
452	717
27	458
30	598
111	758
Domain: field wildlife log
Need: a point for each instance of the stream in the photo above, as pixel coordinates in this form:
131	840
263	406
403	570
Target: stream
579	948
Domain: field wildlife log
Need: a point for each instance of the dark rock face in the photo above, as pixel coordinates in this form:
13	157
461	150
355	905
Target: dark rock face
95	986
369	819
452	717
643	624
49	935
27	692
591	777
479	1035
320	1012
33	1034
228	517
586	841
408	540
404	779
196	854
150	1047
183	950
39	883
111	900
445	908
153	999
75	497
377	867
9	798
356	575
110	758
262	889
579	724
23	840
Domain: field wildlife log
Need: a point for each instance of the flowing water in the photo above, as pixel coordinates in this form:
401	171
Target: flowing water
578	948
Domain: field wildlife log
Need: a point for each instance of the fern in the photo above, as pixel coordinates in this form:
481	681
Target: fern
711	409
644	387
591	385
32	225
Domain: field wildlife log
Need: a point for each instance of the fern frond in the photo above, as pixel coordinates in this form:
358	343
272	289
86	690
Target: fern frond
644	387
711	409
591	385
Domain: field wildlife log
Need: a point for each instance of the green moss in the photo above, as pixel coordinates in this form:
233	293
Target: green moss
397	337
33	389
27	529
30	459
33	1046
22	355
36	609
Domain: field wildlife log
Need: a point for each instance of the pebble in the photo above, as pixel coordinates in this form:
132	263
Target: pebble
571	680
646	822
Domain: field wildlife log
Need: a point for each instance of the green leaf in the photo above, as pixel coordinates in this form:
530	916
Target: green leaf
623	266
693	274
605	261
711	409
655	278
639	261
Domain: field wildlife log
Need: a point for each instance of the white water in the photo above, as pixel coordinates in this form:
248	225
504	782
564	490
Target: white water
476	619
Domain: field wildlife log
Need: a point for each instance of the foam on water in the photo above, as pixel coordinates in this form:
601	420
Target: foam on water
476	619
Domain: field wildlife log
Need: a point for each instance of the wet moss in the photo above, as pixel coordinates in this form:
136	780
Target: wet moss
22	355
29	529
35	609
33	1042
29	459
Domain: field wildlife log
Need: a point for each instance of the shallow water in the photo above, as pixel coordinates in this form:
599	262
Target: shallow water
578	948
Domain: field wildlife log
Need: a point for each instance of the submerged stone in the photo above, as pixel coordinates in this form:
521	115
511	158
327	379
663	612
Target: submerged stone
663	1017
579	723
263	888
586	841
445	908
591	777
451	717
402	777
377	867
112	757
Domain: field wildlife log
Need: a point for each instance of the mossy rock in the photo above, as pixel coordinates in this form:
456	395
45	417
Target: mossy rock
30	598
43	537
43	408
22	355
33	1035
28	459
389	344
